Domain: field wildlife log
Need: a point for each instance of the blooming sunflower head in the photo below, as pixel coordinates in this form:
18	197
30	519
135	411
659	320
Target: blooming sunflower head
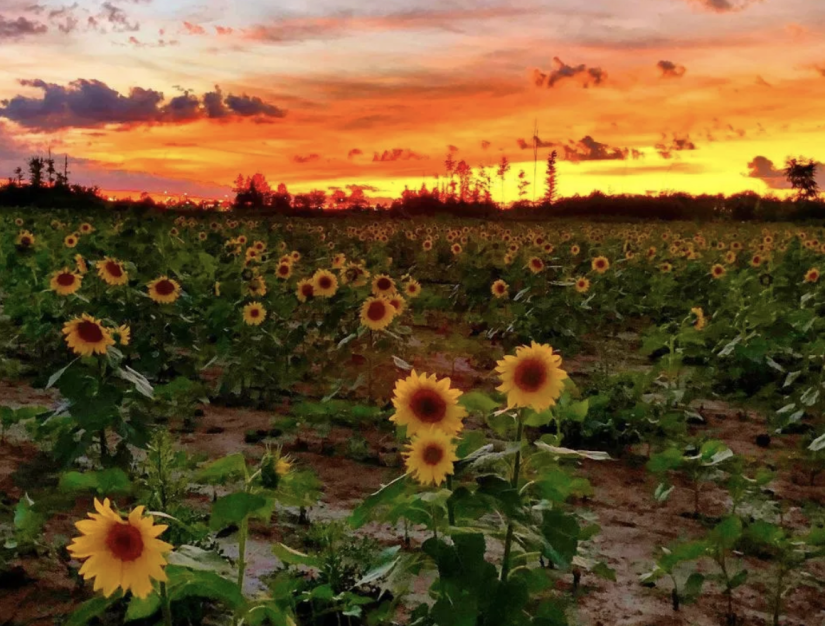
324	283
164	290
700	322
339	260
430	457
397	302
254	314
65	282
112	272
305	290
666	268
499	289
600	264
427	245
120	553
574	250
383	285
532	378
812	275
455	248
86	336
535	264
756	260
123	334
717	271
86	228
377	313
25	240
283	271
412	289
582	285
70	241
424	402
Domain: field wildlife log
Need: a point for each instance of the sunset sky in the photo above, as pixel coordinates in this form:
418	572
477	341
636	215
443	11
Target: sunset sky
636	95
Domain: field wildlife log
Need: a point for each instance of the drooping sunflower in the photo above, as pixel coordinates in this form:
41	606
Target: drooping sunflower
532	378
123	334
412	288
324	283
535	264
339	260
87	336
112	272
80	263
305	290
718	270
430	457
256	286
65	282
383	285
582	285
25	239
120	553
700	318
600	264
254	314
164	290
499	289
812	275
70	241
423	402
377	313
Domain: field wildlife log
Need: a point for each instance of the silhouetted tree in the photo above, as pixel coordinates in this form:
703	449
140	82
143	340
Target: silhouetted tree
465	174
801	174
503	168
50	171
36	165
550	181
18	175
523	184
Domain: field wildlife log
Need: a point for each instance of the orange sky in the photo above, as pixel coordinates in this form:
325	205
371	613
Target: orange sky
646	95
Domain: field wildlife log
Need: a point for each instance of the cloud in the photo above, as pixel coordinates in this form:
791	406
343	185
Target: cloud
397	154
452	149
306	158
524	145
821	70
357	187
586	75
676	166
667	147
723	6
585	149
671	70
354	153
485	144
92	104
763	169
19	28
117	18
224	30
193	29
160	43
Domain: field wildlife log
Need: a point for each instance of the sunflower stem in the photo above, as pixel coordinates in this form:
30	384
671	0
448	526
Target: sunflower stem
508	539
165	605
450	509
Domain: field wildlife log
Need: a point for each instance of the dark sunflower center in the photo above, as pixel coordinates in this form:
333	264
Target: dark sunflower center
114	269
384	284
530	375
376	311
25	241
89	332
254	313
283	270
325	282
536	263
165	288
65	280
125	542
306	290
432	454
428	406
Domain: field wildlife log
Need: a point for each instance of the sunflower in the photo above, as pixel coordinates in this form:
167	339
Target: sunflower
398	303
256	286
665	268
412	288
500	289
756	260
582	285
430	456
65	282
812	275
730	257
112	272
383	285
87	336
427	245
324	284
283	271
25	239
202	236
123	334
532	378
164	290
535	264
377	313
260	246
600	264
296	256
574	250
252	254
423	402
70	241
305	290
86	228
18	221
120	553
80	263
700	318
339	260
456	248
717	271
254	314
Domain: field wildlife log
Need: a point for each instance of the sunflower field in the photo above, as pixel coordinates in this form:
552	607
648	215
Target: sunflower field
212	419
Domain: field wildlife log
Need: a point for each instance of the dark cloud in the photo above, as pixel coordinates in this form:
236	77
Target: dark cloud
308	158
452	149
354	153
117	18
397	154
357	187
763	169
92	104
723	6
585	149
524	145
586	75
675	143
671	70
21	27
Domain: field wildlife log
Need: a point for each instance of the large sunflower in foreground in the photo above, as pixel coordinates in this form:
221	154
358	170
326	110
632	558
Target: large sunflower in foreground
430	457
377	313
120	553
112	272
254	314
65	282
87	336
324	283
532	378
423	402
164	290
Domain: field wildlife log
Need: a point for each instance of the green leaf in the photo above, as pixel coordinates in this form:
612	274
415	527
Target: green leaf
142	385
112	481
91	609
817	444
738	579
288	556
232	509
561	534
385	496
231	467
668	460
196	558
142	608
478	402
186	583
693	587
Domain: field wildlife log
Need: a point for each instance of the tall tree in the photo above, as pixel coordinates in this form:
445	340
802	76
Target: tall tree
18	175
50	170
801	174
523	184
550	181
36	165
503	168
465	174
